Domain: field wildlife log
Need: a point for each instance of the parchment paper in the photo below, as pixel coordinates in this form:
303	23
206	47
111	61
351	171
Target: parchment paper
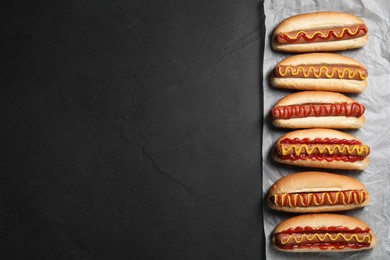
375	133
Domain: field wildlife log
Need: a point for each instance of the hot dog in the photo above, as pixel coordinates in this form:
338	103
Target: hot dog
309	109
320	71
323	232
306	192
321	148
320	31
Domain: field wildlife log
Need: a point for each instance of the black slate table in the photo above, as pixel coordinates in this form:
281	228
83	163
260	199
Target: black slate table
132	130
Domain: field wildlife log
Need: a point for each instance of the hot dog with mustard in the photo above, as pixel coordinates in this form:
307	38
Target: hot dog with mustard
320	71
321	148
323	232
308	192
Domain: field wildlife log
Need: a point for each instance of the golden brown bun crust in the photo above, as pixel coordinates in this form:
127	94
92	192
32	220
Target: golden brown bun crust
319	58
339	122
346	249
313	97
336	85
297	98
317	133
321	220
315	182
321	133
318	20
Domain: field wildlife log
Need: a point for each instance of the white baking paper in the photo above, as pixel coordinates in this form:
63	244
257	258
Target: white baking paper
375	133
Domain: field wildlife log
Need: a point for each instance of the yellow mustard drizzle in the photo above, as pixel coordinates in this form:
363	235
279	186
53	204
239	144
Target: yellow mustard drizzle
323	69
327	34
359	149
316	235
310	196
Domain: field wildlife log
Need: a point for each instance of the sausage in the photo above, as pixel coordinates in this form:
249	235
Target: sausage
319	198
315	238
322	35
308	110
327	71
323	149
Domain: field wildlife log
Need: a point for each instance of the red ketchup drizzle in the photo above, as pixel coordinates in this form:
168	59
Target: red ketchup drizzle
319	35
320	141
309	229
305	110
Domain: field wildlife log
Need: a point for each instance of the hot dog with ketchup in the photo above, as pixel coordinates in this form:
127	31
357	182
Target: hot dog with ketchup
323	232
308	192
321	148
310	109
320	31
320	71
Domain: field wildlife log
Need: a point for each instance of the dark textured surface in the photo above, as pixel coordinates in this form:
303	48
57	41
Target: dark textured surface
131	130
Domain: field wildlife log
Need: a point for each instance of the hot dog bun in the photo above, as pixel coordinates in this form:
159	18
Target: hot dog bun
322	161
324	222
293	193
310	109
320	22
326	65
